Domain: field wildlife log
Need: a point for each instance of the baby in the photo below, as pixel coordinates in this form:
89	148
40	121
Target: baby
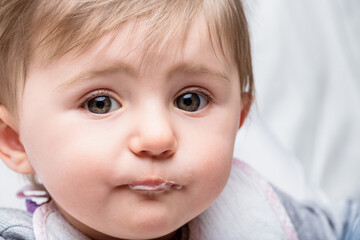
127	112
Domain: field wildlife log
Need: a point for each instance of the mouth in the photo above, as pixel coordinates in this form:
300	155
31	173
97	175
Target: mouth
154	186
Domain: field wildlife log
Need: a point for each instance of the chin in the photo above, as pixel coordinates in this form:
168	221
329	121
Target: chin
141	233
154	227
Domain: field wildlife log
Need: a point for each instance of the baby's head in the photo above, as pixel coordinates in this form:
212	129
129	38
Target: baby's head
127	110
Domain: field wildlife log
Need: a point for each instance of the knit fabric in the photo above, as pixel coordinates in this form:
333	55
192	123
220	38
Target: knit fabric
15	225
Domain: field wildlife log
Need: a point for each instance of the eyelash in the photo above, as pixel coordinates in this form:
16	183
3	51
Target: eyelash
94	94
200	91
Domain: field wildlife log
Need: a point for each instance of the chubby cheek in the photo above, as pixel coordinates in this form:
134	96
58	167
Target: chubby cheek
70	161
209	155
212	168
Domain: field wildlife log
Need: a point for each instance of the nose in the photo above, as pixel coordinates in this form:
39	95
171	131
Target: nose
154	136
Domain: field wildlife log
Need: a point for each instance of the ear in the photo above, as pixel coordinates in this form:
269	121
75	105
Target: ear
12	152
246	102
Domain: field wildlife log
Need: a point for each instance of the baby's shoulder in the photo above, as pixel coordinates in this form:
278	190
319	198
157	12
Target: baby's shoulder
15	224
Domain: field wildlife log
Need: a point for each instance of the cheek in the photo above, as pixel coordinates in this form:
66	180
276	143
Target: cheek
68	157
76	167
208	155
209	169
212	163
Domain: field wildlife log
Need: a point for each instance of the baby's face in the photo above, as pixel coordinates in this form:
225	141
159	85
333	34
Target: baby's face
129	151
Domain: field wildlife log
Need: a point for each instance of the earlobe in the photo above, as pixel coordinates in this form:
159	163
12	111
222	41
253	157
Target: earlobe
12	152
246	102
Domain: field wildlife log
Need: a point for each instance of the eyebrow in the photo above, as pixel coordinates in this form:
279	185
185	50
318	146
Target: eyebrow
188	68
84	76
198	69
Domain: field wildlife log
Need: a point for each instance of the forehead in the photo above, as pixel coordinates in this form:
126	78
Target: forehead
132	43
131	48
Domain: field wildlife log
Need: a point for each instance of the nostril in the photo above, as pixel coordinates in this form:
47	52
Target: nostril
144	153
162	155
166	154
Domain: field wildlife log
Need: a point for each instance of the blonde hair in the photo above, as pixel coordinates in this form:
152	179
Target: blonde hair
53	28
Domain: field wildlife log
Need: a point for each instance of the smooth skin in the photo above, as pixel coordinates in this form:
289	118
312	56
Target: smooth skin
90	125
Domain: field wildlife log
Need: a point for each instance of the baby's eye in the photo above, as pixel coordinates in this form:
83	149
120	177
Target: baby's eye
102	105
190	102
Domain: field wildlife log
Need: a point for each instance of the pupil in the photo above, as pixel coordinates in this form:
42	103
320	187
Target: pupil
187	99
188	102
99	105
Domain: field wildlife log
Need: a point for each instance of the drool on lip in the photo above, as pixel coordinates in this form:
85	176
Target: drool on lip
157	185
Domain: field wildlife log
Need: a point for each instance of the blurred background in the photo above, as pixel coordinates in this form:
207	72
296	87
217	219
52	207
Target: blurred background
303	133
306	58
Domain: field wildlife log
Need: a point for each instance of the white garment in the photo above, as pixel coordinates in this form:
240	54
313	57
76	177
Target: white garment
248	208
49	224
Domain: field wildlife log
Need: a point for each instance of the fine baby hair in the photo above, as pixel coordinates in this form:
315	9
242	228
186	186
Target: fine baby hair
51	29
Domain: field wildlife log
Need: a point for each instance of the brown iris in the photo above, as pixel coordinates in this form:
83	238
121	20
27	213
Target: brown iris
189	102
99	105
